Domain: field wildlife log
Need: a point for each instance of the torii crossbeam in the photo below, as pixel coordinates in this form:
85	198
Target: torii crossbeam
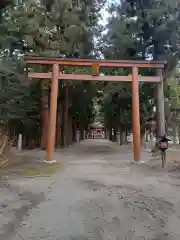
56	74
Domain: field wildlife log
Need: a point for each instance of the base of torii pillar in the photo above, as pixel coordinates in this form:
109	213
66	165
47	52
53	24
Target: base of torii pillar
138	162
50	162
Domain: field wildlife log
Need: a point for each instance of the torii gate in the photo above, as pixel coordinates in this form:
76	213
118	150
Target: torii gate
56	74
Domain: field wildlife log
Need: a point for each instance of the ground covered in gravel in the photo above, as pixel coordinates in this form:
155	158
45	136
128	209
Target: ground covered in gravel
97	194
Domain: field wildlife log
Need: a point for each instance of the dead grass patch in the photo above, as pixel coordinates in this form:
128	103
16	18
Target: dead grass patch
42	169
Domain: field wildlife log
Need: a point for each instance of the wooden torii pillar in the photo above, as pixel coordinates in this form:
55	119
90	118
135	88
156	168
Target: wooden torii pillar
55	75
136	115
52	115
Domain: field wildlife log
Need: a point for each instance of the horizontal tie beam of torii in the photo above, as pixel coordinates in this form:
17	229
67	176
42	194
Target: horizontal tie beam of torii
86	77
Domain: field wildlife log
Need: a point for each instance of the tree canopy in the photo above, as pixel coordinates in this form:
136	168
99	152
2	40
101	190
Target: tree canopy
138	29
141	30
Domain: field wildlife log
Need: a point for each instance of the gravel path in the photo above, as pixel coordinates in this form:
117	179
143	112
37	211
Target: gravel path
99	195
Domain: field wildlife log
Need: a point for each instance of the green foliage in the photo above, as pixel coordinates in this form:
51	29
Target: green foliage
51	28
174	95
172	103
140	29
64	30
17	100
82	96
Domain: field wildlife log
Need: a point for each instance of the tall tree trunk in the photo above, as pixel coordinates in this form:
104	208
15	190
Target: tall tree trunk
146	135
44	117
118	136
159	92
122	128
106	133
81	132
110	134
66	110
122	136
74	130
86	134
160	115
59	126
175	133
143	133
70	133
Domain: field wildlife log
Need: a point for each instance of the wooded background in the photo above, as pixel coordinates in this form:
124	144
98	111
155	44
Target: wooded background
135	29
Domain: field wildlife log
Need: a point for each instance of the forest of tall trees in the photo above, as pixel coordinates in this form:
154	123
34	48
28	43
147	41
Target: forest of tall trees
135	29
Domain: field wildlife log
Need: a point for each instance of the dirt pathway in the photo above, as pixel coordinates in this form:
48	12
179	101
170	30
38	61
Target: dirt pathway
99	195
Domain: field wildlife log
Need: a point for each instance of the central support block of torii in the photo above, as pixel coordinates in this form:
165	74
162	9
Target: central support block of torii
55	75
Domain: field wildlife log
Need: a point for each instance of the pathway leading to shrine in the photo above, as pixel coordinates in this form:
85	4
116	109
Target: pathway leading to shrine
98	195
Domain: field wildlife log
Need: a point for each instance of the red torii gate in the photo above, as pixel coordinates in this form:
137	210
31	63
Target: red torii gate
57	73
